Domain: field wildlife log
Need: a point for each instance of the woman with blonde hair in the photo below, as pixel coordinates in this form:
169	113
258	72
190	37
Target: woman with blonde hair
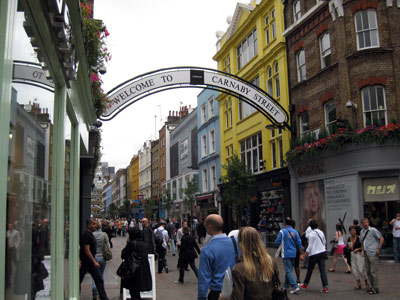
313	204
252	275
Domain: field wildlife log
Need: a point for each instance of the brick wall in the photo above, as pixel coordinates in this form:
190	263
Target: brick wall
349	67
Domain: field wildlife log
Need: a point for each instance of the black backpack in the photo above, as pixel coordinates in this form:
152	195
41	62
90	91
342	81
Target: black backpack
158	237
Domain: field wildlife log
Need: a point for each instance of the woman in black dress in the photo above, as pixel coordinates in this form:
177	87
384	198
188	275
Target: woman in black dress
142	280
187	253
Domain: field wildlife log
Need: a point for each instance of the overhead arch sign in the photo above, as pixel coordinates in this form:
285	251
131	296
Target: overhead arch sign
144	85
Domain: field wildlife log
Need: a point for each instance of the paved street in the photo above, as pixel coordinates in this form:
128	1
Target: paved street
340	284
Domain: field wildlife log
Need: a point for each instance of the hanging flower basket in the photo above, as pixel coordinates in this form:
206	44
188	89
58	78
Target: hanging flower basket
95	33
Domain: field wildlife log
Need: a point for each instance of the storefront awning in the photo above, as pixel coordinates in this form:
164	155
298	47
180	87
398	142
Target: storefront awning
205	197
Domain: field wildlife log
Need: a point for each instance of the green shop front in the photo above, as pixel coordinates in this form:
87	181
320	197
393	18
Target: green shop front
47	154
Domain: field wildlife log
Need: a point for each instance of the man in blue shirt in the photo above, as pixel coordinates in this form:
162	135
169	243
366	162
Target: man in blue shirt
291	243
215	258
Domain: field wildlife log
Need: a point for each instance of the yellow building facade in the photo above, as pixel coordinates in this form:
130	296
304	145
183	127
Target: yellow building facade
253	48
133	179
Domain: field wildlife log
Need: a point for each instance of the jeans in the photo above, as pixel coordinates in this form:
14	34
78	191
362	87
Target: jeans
289	276
102	262
123	230
396	248
182	269
312	261
173	246
371	266
96	275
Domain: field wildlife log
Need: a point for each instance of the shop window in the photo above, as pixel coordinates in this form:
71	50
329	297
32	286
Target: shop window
366	29
30	178
272	208
374	105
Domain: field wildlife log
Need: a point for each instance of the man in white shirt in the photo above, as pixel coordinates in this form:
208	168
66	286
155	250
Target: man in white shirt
396	237
316	251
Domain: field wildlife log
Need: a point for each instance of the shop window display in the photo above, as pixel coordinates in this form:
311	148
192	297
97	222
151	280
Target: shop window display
29	183
272	207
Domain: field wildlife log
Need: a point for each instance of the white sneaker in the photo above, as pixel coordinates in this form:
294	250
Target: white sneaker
295	290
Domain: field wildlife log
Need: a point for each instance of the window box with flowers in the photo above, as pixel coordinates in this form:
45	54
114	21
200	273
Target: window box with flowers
384	135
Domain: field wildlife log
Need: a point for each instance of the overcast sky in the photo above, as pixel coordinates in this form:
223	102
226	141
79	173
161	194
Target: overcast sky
147	35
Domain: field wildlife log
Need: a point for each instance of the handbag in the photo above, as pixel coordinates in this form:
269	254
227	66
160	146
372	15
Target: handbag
227	285
334	246
107	254
325	253
129	266
278	293
278	252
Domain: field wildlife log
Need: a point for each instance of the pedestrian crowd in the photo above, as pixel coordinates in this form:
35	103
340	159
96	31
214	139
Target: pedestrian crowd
238	265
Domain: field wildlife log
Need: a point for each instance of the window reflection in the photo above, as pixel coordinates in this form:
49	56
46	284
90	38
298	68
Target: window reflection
29	183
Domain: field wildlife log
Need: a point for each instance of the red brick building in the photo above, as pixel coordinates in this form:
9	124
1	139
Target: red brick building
344	65
341	51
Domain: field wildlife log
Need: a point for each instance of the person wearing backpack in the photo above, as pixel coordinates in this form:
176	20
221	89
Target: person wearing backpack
291	243
161	240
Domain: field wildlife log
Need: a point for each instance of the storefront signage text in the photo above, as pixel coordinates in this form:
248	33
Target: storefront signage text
310	169
381	189
144	85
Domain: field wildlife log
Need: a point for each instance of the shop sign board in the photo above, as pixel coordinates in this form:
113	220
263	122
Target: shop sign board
381	189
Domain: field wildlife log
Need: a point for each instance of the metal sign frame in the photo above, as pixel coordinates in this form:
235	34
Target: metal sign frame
134	89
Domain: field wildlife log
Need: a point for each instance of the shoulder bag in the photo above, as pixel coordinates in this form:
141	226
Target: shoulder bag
130	265
325	252
278	293
227	285
107	254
